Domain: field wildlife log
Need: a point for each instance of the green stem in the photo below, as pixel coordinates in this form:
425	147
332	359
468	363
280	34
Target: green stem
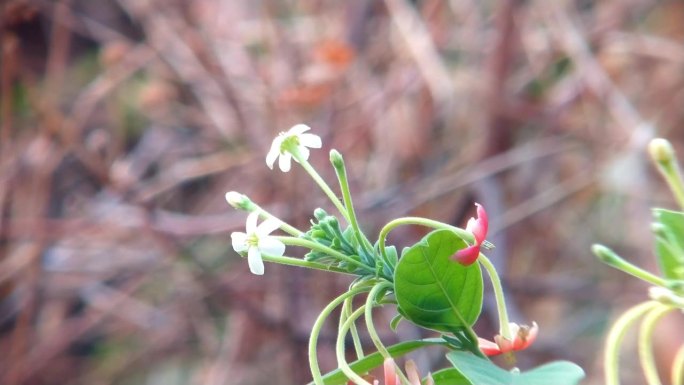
372	332
610	258
369	318
615	337
678	367
284	226
344	314
323	249
664	157
321	183
504	326
673	176
289	261
463	234
645	344
341	171
341	360
316	330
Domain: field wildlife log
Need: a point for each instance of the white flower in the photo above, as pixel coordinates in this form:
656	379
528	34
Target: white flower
295	136
257	241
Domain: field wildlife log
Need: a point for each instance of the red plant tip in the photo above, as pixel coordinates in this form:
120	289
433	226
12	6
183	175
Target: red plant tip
391	377
390	371
478	227
523	336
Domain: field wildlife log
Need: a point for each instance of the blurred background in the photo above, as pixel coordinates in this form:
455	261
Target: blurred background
124	122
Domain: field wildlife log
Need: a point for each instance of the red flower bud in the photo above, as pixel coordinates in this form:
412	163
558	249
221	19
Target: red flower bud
478	227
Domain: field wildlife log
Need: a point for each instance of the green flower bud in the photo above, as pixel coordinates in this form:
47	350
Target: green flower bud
239	201
336	159
605	254
319	214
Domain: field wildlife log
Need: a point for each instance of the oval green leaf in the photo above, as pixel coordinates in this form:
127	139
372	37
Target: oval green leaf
434	291
449	376
481	371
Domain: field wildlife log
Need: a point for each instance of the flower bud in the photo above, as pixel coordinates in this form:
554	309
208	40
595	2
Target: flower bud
605	254
661	150
238	201
336	159
659	230
319	214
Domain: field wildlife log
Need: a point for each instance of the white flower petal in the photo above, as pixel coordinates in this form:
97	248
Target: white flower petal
252	222
274	151
298	129
239	241
256	264
271	246
285	162
310	140
514	328
472	223
268	226
304	152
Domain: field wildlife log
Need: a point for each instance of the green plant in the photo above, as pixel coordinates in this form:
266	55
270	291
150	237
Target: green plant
436	284
667	292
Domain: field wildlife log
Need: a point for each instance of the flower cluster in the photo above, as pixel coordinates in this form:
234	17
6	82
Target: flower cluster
406	280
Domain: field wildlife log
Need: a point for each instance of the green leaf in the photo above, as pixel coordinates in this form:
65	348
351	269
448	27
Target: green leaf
371	361
670	243
449	376
434	291
481	371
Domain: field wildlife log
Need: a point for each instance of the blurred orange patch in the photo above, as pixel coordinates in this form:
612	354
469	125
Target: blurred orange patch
335	53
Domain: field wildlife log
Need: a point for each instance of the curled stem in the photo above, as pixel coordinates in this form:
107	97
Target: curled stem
504	326
369	318
318	325
344	314
645	343
615	337
678	367
341	360
463	234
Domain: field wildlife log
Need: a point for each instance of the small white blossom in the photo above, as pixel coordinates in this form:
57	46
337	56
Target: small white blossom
297	135
257	241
